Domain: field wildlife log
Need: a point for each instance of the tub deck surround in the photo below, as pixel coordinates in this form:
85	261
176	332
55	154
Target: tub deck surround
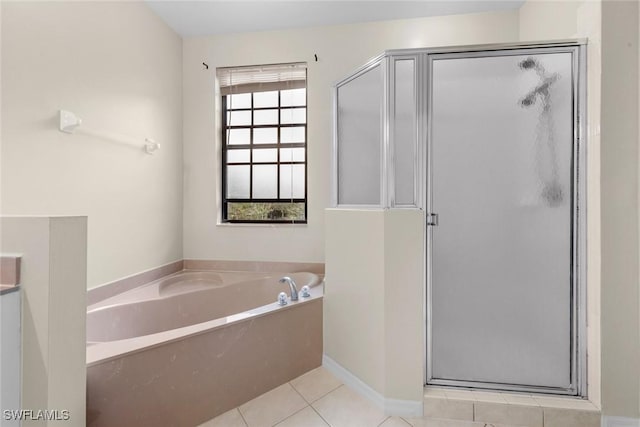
257	266
209	341
128	283
125	284
5	289
183	305
9	272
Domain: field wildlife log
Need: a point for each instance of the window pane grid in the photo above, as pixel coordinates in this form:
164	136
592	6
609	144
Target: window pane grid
293	139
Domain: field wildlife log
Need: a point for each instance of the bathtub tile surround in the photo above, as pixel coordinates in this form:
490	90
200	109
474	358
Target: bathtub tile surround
258	266
190	380
128	283
125	284
186	348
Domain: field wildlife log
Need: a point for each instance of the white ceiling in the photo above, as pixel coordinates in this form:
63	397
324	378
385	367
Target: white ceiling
199	18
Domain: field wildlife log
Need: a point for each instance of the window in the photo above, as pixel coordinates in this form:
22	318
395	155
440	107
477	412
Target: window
264	143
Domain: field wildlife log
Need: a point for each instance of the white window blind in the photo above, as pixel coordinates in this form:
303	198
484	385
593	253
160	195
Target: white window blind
234	80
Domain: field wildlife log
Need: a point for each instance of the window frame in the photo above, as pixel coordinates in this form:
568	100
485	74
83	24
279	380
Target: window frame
278	145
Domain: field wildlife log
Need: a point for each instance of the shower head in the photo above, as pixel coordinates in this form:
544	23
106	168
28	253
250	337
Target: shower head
529	63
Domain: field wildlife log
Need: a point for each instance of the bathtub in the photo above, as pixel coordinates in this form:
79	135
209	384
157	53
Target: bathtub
186	348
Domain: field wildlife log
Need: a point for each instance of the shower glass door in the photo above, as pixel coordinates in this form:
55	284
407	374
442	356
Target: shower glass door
503	159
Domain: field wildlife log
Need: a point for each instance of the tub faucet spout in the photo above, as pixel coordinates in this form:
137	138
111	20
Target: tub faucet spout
292	287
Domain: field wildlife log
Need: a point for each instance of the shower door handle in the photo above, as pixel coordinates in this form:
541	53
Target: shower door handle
432	219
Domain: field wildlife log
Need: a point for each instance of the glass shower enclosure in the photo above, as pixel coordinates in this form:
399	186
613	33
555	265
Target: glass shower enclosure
488	142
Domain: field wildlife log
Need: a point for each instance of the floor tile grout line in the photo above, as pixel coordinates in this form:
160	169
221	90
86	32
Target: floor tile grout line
406	422
320	415
327	393
383	421
289	416
318	398
299	394
333	389
242	417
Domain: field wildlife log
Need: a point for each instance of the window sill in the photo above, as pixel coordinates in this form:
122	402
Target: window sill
256	225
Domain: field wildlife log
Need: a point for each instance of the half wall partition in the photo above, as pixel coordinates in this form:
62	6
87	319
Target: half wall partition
488	142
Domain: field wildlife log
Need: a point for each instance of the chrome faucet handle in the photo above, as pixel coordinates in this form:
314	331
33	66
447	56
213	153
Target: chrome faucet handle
305	292
282	298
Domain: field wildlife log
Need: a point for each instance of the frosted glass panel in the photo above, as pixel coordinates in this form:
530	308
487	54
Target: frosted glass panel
292	181
265	182
502	141
359	139
237	182
404	131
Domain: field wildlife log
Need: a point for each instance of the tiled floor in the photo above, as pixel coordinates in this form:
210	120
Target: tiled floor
318	399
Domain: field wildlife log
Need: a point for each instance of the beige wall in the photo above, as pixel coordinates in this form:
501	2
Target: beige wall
374	298
53	286
619	163
552	20
118	67
404	299
354	300
340	50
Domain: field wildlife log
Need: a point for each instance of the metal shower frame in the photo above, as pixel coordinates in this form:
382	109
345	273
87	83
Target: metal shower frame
423	192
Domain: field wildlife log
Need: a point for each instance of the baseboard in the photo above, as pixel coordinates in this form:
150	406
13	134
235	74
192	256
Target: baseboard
609	421
394	407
